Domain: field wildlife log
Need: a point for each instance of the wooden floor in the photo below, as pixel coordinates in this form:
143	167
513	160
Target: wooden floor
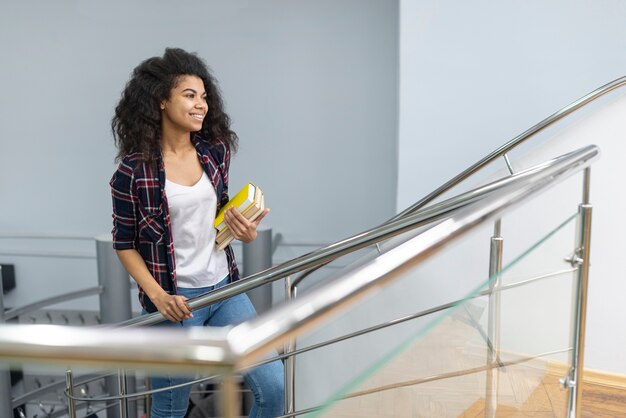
549	401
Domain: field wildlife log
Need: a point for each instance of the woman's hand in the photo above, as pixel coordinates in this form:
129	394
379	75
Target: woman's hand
243	229
173	307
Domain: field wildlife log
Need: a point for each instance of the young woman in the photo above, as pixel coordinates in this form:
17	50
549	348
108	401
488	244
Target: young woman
175	143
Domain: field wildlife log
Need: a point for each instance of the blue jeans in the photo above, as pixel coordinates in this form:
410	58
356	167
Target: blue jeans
266	381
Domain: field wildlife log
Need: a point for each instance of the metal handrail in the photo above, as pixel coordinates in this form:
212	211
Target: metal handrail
513	143
32	235
235	348
465	372
53	300
313	260
246	339
254	338
152	348
336	250
501	151
343	247
136	395
326	343
427	379
59	384
329	253
416	315
381	233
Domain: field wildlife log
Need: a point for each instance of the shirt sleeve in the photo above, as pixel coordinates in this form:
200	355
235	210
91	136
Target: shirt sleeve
124	208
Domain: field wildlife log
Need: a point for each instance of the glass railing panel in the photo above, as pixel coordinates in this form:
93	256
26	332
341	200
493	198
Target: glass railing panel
438	364
538	298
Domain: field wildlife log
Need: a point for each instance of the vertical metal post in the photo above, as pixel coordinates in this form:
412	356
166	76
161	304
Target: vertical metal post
257	256
121	374
231	404
5	374
115	305
493	330
574	380
148	400
112	276
71	403
508	163
290	362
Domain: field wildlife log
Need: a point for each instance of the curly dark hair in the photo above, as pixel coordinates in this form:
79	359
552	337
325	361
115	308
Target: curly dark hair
136	125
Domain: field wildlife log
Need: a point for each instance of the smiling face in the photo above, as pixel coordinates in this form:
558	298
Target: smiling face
186	107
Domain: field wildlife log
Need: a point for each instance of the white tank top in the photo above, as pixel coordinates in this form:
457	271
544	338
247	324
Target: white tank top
192	213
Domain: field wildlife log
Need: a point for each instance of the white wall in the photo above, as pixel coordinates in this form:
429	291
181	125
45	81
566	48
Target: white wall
474	75
310	85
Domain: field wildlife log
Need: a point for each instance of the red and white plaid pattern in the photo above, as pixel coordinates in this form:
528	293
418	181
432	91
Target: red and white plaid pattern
141	218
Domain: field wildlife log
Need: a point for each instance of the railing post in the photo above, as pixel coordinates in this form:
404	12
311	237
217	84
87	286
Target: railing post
508	163
6	400
231	403
290	362
121	374
583	245
115	307
71	403
115	282
493	328
257	256
148	400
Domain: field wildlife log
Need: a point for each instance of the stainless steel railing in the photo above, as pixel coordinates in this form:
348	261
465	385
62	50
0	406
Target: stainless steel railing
501	151
253	336
465	174
232	349
7	403
475	194
321	257
53	300
381	233
318	258
514	143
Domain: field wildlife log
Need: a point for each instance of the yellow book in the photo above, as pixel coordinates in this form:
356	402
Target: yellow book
250	214
225	236
242	200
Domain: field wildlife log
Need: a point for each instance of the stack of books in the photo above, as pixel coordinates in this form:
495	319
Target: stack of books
250	203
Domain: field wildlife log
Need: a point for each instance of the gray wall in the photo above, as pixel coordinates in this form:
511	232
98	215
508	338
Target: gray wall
474	75
310	85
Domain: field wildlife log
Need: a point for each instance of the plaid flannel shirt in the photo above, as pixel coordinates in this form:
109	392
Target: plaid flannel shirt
141	218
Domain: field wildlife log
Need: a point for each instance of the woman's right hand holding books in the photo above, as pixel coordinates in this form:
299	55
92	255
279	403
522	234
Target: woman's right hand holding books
241	228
